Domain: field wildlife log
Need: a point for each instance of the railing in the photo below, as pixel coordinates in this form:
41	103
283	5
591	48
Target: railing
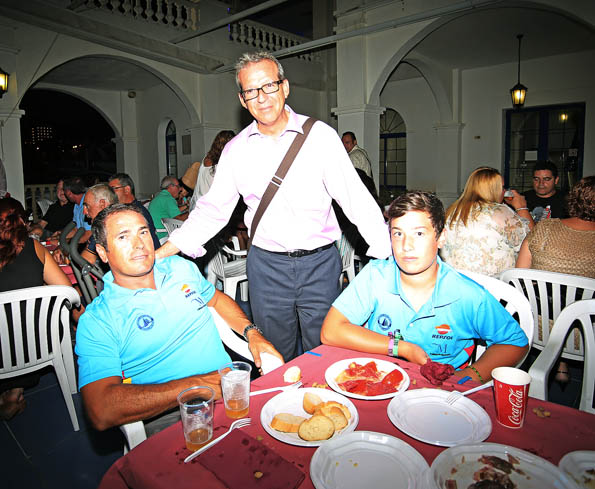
181	14
33	193
267	38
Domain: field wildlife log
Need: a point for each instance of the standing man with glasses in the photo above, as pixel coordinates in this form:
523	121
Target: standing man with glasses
293	267
165	204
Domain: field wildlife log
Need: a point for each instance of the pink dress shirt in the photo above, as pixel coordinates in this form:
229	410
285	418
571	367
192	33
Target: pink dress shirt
300	216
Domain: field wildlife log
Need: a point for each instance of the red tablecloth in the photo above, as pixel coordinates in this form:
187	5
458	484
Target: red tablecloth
158	462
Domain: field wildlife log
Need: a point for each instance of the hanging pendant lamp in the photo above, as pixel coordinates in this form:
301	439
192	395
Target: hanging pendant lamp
519	91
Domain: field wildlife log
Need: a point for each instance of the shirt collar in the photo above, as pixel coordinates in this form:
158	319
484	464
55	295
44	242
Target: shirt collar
118	295
293	124
445	290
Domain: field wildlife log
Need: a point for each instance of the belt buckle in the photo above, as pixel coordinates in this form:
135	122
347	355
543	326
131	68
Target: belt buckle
295	253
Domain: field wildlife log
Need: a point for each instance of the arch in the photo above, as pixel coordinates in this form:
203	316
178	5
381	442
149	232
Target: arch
166	80
417	38
73	93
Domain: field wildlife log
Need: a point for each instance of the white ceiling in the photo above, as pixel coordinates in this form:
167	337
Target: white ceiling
481	38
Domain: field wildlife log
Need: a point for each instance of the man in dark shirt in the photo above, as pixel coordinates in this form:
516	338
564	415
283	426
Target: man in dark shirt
544	201
59	214
123	186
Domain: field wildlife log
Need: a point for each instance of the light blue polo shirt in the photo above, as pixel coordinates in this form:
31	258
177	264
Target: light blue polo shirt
151	336
459	311
78	215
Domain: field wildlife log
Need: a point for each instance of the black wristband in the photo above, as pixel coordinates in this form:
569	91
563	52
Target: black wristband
250	327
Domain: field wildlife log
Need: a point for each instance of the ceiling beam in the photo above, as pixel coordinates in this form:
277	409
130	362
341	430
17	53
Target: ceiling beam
65	22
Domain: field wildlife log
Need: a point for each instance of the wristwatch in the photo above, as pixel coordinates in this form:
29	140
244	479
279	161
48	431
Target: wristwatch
250	327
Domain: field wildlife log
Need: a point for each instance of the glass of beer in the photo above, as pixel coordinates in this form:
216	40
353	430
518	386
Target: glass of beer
235	385
197	405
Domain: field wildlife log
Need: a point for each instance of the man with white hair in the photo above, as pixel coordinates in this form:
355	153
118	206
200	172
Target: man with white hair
165	205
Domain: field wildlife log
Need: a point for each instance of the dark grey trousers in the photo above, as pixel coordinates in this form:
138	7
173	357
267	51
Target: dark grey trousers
290	297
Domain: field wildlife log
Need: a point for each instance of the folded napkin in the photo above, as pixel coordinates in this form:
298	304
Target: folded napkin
436	372
242	462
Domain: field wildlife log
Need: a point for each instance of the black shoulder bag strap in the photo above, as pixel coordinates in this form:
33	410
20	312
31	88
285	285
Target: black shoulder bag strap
277	179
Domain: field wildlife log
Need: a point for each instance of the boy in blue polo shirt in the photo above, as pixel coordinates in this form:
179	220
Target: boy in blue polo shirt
415	306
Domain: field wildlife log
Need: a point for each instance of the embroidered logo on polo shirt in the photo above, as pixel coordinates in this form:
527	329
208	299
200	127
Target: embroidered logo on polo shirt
144	322
442	331
384	322
187	290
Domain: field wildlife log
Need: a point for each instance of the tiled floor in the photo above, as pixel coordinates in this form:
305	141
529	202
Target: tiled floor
40	448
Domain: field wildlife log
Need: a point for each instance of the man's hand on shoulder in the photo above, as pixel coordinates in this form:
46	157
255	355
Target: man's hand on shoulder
166	249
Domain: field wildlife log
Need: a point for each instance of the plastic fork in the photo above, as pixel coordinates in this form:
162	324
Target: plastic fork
295	385
238	423
454	396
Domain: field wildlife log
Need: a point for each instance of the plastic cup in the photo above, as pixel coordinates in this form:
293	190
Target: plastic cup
511	392
235	385
196	408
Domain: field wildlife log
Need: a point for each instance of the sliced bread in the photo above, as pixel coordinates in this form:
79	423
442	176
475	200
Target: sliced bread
318	427
335	414
287	423
342	407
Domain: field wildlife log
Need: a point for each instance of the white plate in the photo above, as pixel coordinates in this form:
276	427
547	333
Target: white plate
537	472
576	465
424	414
336	368
367	459
292	402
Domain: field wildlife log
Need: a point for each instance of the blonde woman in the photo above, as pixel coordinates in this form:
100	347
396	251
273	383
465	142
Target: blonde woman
482	234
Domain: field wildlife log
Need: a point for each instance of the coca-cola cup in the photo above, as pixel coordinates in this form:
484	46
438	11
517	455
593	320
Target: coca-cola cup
511	391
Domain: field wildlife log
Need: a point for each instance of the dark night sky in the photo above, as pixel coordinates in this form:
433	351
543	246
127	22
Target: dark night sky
74	123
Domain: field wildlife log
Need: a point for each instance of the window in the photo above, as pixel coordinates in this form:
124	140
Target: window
555	133
171	150
393	151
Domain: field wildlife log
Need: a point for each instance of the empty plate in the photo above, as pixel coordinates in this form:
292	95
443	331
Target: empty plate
424	414
367	459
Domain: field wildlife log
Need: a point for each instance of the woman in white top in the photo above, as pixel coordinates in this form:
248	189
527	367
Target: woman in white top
482	234
206	172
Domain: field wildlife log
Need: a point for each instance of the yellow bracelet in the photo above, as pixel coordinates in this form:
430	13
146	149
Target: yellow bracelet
476	373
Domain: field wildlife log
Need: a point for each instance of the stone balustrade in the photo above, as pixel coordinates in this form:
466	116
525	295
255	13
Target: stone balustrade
263	37
181	14
35	192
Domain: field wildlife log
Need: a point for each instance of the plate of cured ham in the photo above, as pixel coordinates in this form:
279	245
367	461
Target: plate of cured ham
367	378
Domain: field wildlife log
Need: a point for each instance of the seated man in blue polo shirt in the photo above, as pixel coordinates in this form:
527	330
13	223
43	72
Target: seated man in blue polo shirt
427	307
149	335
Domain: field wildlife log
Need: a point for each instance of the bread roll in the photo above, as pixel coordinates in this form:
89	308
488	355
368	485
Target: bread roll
287	423
311	401
335	414
318	427
292	374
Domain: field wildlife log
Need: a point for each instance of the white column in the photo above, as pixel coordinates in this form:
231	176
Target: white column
364	121
447	161
10	146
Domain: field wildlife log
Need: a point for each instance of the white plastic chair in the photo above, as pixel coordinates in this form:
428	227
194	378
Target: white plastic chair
514	302
347	259
582	312
549	293
40	335
44	205
135	432
171	225
231	272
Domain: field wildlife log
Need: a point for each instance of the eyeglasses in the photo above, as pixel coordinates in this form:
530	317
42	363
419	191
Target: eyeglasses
116	188
268	88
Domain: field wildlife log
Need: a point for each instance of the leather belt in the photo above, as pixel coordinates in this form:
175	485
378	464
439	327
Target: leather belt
300	253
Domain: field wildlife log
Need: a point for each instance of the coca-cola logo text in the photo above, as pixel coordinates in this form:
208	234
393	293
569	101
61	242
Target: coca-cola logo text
515	398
